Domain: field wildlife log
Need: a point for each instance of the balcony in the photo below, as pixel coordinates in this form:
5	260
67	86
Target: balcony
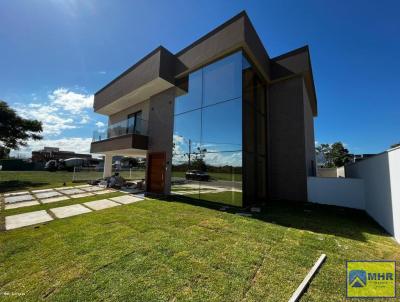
127	137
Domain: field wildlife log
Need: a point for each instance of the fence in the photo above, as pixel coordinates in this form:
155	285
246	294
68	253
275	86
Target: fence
381	174
344	192
86	174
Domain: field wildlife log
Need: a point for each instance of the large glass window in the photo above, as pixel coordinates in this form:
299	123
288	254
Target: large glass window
207	155
192	99
222	80
222	126
187	131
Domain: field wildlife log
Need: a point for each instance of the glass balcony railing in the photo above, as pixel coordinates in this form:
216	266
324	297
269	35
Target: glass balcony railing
128	126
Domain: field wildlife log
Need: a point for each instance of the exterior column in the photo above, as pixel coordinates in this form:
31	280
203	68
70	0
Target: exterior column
107	165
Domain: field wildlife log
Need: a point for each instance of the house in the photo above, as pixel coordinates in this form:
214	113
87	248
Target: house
48	153
239	121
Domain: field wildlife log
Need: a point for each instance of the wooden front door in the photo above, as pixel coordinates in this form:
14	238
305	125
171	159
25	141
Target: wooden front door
156	172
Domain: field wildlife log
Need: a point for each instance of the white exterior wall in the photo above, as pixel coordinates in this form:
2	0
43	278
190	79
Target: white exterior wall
331	172
381	175
344	192
394	167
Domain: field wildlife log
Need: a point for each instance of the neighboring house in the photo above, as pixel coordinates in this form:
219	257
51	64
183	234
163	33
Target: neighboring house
222	107
49	153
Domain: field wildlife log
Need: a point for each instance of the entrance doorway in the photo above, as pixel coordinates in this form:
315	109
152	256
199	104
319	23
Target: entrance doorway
156	172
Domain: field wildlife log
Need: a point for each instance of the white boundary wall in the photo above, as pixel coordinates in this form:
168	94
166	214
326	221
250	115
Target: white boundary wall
373	185
381	175
344	192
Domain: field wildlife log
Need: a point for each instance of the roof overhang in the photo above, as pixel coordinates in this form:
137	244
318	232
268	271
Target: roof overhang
294	63
237	33
151	75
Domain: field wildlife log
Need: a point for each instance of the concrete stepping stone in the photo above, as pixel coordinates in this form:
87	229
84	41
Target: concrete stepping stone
63	188
47	194
103	192
92	189
71	191
129	190
54	199
72	210
18	198
16	193
44	190
81	195
82	186
21	204
31	218
101	204
126	199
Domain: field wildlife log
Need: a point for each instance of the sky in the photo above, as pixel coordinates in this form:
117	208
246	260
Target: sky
55	54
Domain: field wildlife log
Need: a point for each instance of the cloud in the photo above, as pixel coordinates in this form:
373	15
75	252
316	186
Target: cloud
213	156
100	124
71	101
85	119
76	144
52	120
101	72
64	109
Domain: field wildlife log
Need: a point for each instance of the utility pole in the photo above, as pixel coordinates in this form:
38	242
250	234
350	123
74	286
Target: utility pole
190	152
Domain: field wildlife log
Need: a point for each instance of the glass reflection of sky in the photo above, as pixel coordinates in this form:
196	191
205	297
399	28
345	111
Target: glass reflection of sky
209	116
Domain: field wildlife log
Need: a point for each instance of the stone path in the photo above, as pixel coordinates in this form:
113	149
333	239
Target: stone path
37	217
29	198
21	220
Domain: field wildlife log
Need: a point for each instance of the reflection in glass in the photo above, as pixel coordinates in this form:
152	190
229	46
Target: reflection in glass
207	149
192	99
187	132
222	126
182	182
223	80
225	178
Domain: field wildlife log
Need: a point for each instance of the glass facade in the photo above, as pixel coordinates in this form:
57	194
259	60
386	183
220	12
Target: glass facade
220	134
207	152
255	135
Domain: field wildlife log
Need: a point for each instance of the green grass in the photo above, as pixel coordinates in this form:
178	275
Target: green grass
174	251
31	180
228	198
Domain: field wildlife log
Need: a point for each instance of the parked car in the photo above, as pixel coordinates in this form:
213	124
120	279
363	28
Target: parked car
51	165
197	175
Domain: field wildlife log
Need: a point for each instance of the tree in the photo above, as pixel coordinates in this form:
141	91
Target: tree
335	155
15	130
4	152
340	155
325	151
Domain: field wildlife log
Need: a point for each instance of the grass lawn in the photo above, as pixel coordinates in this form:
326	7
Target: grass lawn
173	251
229	198
31	180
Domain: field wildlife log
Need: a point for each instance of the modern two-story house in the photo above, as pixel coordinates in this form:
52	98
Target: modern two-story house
219	120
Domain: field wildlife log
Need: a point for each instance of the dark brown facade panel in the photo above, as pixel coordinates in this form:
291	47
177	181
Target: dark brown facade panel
287	171
128	141
161	125
161	63
215	46
296	62
309	135
255	48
